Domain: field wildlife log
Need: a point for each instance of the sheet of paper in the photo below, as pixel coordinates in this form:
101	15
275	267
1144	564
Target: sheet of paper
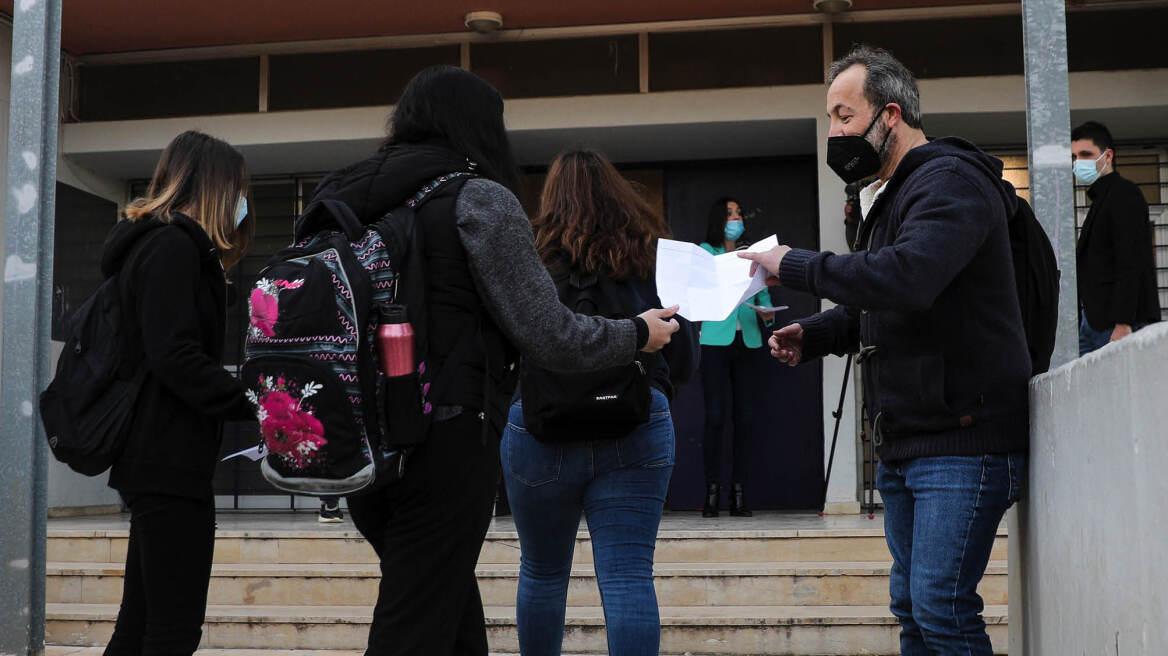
706	287
255	453
767	308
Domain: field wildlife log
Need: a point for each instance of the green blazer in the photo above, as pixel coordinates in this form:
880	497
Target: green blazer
721	333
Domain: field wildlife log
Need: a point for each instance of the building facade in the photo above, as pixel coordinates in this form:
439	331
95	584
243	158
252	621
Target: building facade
692	103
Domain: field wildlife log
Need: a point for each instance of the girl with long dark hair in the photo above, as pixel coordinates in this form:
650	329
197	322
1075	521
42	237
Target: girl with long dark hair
169	253
488	299
729	353
593	222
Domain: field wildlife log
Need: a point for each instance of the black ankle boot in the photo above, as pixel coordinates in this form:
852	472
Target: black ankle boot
711	507
737	504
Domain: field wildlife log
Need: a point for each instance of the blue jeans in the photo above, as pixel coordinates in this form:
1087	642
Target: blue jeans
1093	340
941	515
619	486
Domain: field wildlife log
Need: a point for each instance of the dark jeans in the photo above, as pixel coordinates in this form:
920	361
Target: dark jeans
428	529
728	372
168	570
941	516
619	486
1093	340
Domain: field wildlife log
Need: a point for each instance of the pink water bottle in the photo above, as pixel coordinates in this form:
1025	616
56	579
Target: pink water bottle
395	341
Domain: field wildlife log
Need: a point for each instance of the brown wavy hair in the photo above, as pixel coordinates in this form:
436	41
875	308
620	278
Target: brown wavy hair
203	177
592	218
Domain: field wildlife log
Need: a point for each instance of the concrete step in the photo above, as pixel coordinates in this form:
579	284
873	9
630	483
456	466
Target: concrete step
693	629
61	650
678	584
346	546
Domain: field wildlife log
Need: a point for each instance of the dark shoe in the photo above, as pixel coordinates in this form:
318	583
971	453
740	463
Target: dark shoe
737	504
330	514
711	507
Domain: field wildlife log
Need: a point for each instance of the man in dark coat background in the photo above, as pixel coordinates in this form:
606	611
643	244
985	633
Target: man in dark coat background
1115	255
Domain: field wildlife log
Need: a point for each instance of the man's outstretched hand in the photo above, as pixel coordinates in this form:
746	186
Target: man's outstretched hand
787	344
769	260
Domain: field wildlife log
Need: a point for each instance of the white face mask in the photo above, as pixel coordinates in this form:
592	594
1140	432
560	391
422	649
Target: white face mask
240	210
1087	171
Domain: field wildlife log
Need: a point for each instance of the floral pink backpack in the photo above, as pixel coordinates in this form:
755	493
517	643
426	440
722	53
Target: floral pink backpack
330	421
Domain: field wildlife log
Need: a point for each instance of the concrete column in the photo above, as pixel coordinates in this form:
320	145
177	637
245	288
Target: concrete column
843	490
1048	135
5	95
28	274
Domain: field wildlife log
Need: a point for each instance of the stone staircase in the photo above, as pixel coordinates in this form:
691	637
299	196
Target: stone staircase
776	584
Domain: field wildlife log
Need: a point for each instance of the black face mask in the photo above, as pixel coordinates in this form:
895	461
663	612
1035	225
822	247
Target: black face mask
852	157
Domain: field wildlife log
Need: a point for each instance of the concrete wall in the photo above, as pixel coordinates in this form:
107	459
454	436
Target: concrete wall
844	487
1092	529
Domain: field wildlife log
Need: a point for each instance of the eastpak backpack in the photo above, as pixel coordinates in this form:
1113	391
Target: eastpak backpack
331	423
603	404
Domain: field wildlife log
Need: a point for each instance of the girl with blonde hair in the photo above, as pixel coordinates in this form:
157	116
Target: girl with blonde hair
169	253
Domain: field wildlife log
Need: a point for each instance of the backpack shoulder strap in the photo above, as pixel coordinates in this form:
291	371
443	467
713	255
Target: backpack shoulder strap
427	191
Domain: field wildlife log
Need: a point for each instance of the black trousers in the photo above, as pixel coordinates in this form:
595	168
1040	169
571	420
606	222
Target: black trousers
728	379
168	570
427	530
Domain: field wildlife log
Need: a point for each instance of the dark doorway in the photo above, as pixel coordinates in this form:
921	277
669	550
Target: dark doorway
786	446
81	224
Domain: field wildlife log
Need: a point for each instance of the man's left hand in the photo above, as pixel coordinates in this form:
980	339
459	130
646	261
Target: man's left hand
1120	331
769	260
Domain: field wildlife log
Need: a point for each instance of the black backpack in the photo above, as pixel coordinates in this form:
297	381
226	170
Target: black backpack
88	407
1037	276
603	404
330	421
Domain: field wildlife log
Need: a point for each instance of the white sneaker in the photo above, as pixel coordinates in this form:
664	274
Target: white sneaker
330	514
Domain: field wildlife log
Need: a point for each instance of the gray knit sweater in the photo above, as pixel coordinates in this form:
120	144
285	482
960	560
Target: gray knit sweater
520	294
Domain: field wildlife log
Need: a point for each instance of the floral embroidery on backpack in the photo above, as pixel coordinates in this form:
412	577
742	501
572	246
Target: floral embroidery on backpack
289	428
265	310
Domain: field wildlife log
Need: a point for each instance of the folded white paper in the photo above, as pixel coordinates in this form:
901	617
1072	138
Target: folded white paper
706	287
767	308
254	453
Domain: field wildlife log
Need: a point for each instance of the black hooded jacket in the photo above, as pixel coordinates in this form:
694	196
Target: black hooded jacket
934	294
174	291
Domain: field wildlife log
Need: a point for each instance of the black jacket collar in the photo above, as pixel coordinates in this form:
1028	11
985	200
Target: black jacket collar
1100	186
987	165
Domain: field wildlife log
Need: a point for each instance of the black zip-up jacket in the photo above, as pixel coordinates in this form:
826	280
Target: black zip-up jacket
1116	259
174	291
934	296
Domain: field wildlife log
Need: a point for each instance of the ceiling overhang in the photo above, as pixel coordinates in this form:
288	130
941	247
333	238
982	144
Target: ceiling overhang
113	26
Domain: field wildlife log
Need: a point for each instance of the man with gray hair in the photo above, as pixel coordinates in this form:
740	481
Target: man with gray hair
931	306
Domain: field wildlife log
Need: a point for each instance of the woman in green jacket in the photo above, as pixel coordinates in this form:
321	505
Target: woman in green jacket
728	349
